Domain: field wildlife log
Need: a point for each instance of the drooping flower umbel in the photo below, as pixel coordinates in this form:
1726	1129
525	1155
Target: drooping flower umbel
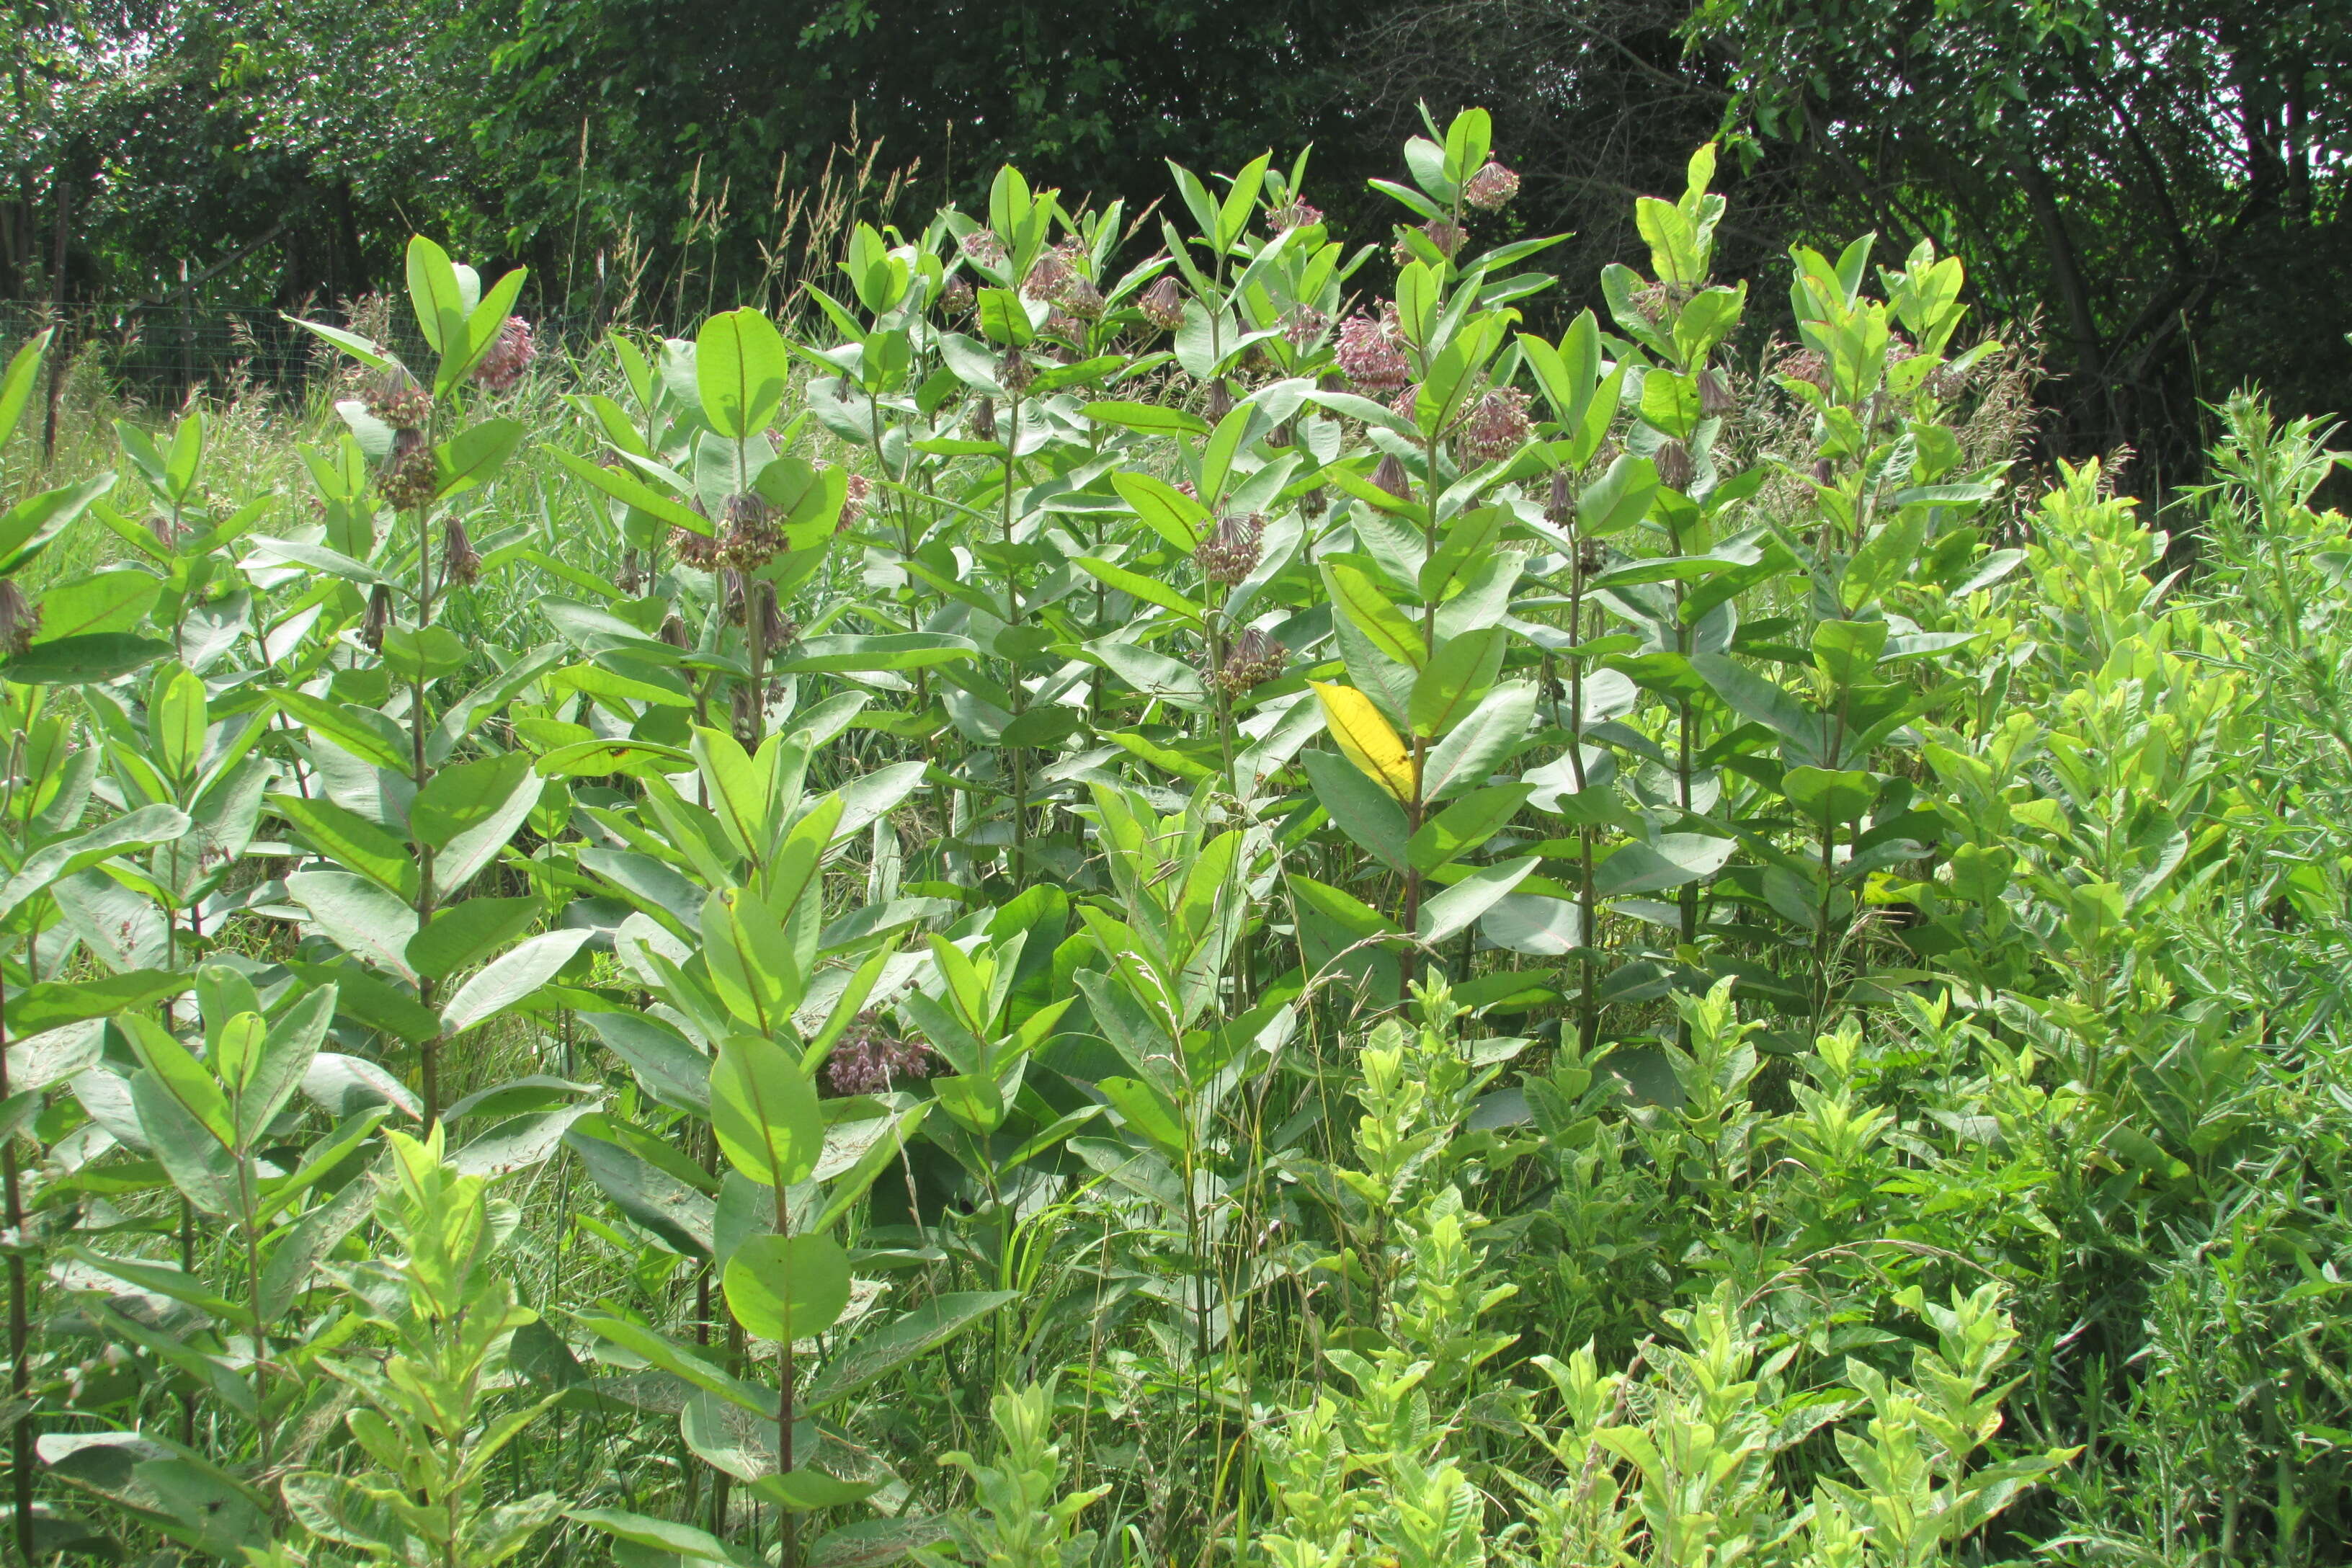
1496	426
1491	188
1229	554
750	537
509	357
409	481
1371	352
1253	659
1162	304
869	1058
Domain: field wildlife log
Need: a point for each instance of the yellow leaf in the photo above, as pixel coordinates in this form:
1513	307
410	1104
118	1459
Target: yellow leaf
1368	740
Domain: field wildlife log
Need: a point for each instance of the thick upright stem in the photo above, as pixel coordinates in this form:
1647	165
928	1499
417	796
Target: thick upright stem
1019	694
787	1375
23	1434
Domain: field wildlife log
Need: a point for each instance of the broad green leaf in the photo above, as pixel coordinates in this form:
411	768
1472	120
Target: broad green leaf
472	455
1364	809
16	383
362	918
432	291
107	602
742	369
354	843
1174	515
1469	822
1456	680
785	1289
509	978
170	1065
1372	612
29	525
1445	913
140	829
462	797
764	1111
1481	742
1151	590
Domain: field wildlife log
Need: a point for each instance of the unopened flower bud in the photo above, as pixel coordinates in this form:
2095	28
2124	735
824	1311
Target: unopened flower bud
460	563
983	420
1220	400
167	532
1391	477
1559	510
378	620
18	619
1672	462
1824	471
673	631
1014	372
959	296
743	708
1715	399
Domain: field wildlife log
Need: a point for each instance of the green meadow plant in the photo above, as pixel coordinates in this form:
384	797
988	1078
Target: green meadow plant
1269	901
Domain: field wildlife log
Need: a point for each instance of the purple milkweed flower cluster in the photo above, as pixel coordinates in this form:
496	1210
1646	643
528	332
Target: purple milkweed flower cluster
1302	325
867	1058
750	538
861	490
1491	188
1295	213
1496	427
1229	554
1163	305
959	296
1371	352
399	402
1253	659
984	247
409	481
509	357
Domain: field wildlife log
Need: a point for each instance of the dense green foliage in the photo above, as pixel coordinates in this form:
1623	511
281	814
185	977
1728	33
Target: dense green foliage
1085	909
